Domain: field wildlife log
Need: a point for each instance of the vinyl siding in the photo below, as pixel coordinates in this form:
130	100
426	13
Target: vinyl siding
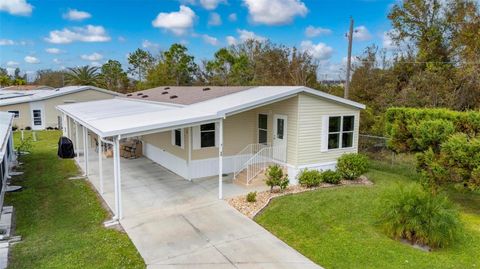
25	117
311	110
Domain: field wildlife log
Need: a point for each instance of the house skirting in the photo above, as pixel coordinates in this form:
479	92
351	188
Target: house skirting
293	171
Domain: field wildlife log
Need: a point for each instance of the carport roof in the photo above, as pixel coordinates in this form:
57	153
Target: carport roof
6	120
124	117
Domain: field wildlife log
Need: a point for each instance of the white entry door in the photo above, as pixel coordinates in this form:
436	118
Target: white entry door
280	138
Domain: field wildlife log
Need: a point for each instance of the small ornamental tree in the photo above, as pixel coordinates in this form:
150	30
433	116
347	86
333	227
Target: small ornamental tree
275	177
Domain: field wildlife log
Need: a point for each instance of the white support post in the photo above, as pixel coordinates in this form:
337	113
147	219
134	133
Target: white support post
220	159
100	164
85	149
76	141
190	142
116	155
119	179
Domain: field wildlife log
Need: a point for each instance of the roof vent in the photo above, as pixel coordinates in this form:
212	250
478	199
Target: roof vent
164	92
144	96
206	89
138	94
129	94
173	97
166	88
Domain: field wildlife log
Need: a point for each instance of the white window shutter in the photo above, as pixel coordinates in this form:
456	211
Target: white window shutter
196	137
217	132
324	133
172	134
182	138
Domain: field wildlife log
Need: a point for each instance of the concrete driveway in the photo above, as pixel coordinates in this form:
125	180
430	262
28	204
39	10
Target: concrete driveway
175	223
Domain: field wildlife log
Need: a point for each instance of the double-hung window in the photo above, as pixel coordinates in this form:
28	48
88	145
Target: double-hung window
177	137
37	117
15	113
340	131
207	135
262	128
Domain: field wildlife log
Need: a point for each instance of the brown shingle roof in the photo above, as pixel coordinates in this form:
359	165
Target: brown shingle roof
27	87
185	95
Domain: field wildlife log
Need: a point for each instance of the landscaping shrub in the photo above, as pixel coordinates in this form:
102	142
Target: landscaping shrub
275	177
309	178
330	176
252	197
352	165
431	133
411	213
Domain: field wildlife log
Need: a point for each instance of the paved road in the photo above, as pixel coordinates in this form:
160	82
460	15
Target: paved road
179	224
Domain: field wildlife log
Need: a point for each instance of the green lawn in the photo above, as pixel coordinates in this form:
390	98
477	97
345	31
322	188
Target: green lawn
337	227
60	220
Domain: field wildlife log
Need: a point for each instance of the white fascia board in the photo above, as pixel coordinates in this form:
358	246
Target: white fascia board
8	133
90	127
333	98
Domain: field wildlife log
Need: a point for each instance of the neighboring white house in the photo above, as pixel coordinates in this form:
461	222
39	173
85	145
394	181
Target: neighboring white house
7	155
35	107
207	131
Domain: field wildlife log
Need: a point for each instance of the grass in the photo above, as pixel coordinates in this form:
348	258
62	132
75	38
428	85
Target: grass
60	220
337	228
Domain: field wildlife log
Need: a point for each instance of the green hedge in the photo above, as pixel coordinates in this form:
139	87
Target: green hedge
402	125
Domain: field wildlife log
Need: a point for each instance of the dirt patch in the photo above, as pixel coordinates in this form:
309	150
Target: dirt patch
251	209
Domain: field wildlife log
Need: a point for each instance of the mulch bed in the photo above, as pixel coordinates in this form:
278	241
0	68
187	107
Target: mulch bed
251	209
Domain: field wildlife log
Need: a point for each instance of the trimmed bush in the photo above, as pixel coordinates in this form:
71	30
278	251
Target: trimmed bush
409	212
330	176
309	178
352	165
432	133
275	177
252	197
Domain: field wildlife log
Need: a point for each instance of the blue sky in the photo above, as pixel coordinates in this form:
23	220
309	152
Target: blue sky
39	34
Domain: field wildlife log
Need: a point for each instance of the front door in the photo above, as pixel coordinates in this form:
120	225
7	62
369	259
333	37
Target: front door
280	138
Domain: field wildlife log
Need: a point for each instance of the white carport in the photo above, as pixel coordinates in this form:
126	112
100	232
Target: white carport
119	118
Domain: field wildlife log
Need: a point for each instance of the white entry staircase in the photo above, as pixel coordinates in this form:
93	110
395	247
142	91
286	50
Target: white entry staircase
254	159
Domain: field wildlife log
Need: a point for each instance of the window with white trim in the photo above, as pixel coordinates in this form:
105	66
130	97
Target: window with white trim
37	117
177	137
15	113
262	128
207	135
340	132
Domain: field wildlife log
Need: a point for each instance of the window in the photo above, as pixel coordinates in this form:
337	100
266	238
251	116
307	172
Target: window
262	128
207	135
340	132
280	128
15	113
177	137
37	117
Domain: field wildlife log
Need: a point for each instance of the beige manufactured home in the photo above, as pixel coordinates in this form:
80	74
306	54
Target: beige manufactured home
199	132
35	108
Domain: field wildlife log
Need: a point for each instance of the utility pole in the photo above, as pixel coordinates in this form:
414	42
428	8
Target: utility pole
349	59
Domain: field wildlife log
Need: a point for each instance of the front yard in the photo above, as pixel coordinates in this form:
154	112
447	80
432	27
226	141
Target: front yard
59	219
337	228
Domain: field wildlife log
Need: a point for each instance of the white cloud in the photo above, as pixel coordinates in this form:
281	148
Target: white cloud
12	63
121	39
89	33
312	31
53	50
16	7
214	19
275	12
361	33
210	40
320	51
178	22
76	15
92	57
6	42
95	64
150	45
31	60
232	17
244	35
387	41
11	71
231	40
211	4
57	61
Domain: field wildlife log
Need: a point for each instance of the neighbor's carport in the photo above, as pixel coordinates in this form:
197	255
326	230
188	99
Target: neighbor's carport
116	119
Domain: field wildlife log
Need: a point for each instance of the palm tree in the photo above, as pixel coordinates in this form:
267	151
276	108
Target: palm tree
84	75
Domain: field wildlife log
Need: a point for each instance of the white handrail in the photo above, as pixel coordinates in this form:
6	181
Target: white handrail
242	157
261	160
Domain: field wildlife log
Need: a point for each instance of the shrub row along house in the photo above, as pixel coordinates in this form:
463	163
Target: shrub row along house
34	106
201	132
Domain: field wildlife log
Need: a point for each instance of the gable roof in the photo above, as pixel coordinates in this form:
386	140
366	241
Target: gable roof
17	97
164	117
185	95
26	88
